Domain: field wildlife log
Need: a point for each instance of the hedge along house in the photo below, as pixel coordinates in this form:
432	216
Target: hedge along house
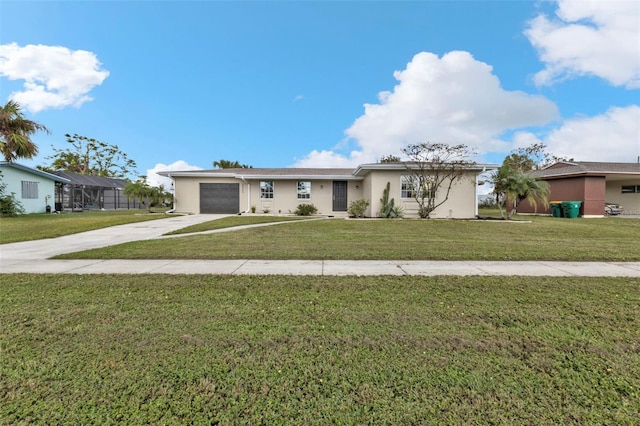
34	189
87	192
231	191
593	183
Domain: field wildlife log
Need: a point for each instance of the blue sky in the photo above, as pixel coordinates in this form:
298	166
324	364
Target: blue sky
178	85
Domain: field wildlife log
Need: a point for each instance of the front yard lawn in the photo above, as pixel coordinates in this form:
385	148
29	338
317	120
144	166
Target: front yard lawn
156	349
37	226
543	238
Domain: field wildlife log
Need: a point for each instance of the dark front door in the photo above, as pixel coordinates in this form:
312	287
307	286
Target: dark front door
339	195
219	198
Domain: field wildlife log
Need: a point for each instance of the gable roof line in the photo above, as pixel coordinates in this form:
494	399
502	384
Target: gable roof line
34	171
365	168
587	168
301	173
266	173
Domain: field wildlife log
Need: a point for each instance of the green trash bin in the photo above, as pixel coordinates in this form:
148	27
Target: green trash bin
556	208
571	209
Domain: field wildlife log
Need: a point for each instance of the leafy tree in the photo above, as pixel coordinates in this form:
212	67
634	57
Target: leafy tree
512	183
9	205
533	157
226	164
88	156
520	163
390	159
434	168
16	131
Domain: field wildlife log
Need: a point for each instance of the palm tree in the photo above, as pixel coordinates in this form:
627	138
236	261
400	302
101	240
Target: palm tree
227	164
145	193
15	132
138	189
512	187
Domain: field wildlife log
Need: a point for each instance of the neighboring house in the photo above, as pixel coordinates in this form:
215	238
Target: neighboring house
593	183
330	190
87	192
34	189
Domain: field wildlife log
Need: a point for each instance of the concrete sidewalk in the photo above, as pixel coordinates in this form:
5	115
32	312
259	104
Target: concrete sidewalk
33	257
323	267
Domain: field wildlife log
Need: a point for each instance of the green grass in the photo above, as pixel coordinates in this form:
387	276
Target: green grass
38	226
153	349
232	221
543	238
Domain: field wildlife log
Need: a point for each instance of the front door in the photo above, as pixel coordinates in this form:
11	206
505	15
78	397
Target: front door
339	195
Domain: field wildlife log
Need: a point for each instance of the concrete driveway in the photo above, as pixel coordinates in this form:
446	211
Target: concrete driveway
34	257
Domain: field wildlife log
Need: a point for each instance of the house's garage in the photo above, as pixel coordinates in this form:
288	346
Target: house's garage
219	198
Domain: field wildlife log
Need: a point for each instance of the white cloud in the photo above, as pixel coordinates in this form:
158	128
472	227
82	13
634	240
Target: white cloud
612	136
154	179
454	99
55	76
600	38
298	98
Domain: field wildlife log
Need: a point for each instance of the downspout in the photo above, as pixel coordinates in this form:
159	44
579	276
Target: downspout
476	194
248	194
173	183
484	170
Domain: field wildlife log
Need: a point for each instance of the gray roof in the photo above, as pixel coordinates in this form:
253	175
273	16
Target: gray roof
34	171
580	168
299	173
268	173
96	181
284	171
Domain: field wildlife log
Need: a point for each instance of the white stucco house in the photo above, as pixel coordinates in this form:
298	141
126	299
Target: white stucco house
33	188
231	191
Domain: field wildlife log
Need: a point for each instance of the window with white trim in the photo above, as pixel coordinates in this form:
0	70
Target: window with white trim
29	189
304	190
266	189
410	185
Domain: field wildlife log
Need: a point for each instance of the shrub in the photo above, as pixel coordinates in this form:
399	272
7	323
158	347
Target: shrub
306	209
358	207
396	212
9	205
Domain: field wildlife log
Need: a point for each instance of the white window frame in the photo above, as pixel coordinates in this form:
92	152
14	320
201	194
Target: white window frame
267	189
29	190
303	189
409	187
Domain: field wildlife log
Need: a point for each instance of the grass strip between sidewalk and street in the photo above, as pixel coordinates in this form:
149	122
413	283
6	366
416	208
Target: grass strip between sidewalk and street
156	349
